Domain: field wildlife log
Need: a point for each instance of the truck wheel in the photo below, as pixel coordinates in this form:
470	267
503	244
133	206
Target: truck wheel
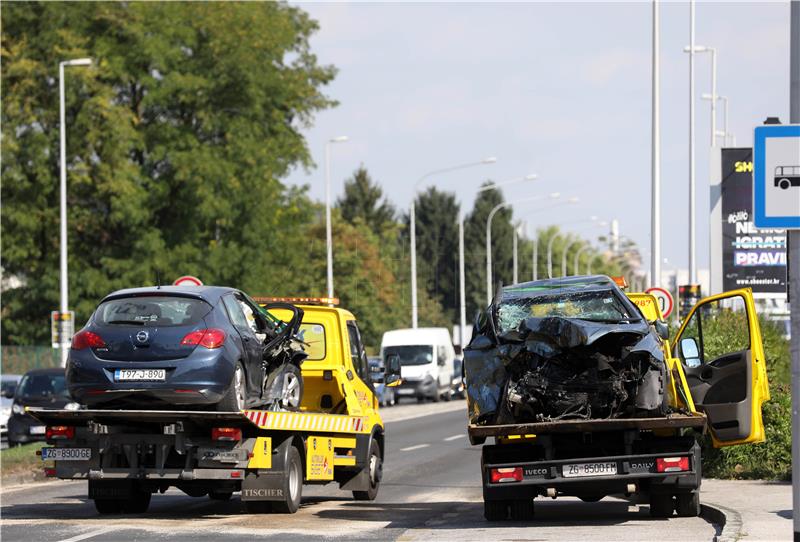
375	473
292	485
687	505
258	507
521	510
235	398
661	505
108	506
495	510
138	503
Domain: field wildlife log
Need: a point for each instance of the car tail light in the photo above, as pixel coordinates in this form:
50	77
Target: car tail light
229	434
510	474
672	464
59	432
50	472
86	339
208	338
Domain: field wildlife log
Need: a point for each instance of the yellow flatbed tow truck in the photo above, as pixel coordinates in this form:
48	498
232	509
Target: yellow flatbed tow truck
337	435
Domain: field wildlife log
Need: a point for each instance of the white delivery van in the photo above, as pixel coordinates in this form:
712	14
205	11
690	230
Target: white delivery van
426	360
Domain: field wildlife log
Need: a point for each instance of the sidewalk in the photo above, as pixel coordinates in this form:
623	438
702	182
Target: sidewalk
765	507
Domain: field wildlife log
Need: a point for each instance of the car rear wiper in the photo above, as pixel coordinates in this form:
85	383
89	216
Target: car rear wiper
133	322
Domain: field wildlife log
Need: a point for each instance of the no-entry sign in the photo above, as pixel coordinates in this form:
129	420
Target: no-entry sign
665	302
187	280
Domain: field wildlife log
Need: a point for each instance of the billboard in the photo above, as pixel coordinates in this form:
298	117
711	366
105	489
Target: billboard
751	258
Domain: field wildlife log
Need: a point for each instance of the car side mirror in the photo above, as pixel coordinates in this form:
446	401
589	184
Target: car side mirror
392	374
690	352
662	329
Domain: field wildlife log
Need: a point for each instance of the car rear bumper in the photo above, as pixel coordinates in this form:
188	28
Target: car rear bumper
418	388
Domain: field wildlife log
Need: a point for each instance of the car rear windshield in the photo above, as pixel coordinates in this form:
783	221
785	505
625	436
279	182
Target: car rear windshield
42	385
598	306
152	311
410	354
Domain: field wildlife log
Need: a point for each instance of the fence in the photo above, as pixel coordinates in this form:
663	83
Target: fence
21	359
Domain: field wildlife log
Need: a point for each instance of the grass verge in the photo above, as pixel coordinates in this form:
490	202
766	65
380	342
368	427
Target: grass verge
20	460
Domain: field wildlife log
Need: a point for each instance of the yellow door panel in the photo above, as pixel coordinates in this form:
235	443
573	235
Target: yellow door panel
262	454
319	458
721	355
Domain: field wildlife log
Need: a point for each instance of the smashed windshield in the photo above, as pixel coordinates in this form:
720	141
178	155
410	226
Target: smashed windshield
597	306
410	354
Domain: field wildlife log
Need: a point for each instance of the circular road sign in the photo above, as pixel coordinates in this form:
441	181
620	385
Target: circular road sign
187	280
665	302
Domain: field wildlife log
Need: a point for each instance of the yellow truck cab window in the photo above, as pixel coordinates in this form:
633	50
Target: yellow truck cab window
313	335
720	348
357	353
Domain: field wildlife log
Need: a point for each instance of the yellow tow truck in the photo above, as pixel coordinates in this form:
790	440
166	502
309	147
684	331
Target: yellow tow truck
336	435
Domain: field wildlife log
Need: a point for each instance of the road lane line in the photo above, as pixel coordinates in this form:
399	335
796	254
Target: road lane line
415	447
454	437
90	534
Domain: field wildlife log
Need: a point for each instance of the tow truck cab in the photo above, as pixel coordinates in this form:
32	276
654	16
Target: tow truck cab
717	382
337	435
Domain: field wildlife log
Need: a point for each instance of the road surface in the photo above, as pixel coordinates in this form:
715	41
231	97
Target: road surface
431	491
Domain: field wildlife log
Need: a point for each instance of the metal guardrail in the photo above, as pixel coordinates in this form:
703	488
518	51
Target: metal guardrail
21	359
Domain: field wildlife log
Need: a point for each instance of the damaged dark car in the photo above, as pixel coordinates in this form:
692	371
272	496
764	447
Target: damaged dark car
564	349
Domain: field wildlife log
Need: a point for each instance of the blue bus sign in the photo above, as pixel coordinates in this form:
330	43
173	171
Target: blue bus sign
776	176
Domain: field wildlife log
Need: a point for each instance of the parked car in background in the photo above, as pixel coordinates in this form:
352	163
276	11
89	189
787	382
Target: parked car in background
377	369
186	346
426	357
42	388
457	390
8	385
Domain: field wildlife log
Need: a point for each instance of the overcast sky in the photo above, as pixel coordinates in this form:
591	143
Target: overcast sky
562	90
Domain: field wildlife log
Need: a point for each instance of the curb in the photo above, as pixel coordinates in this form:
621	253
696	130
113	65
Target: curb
727	520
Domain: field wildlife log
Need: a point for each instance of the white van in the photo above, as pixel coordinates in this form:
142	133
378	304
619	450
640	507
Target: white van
426	360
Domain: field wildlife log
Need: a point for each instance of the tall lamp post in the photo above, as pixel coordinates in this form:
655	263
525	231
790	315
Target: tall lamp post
655	198
489	219
692	188
578	254
63	205
724	133
413	227
713	97
328	228
462	286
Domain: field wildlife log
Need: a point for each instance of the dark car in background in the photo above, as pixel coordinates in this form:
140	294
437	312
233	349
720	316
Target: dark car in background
186	346
377	369
40	388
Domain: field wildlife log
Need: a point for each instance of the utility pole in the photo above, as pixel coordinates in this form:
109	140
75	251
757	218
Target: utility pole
794	271
655	216
692	188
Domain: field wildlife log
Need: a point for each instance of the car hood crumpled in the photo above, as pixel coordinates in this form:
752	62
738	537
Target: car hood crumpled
564	368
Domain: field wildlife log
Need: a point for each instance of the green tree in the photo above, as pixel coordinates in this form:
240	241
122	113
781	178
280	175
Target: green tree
177	138
363	199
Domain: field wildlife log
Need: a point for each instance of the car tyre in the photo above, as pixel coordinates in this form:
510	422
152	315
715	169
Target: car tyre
235	398
687	505
661	505
521	509
375	467
292	484
495	510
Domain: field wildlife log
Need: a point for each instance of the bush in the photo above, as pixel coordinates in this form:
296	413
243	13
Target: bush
772	459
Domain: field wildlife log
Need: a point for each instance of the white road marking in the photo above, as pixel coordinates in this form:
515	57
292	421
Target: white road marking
90	534
415	447
454	437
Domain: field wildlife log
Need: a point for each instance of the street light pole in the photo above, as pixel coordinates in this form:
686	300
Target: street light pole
64	282
328	227
583	249
564	256
692	189
535	258
655	199
413	228
515	241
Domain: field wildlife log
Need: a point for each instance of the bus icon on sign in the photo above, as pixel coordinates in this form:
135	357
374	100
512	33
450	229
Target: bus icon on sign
786	176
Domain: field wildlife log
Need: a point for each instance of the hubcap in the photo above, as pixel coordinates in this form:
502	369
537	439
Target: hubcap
294	479
291	390
238	383
373	470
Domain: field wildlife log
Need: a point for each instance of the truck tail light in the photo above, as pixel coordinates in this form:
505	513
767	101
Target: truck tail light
50	472
87	339
226	434
509	474
59	432
208	338
672	464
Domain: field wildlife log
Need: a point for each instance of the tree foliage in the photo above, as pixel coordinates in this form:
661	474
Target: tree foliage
177	136
363	199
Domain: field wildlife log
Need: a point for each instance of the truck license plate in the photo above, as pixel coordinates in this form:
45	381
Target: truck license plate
128	375
37	430
578	470
67	454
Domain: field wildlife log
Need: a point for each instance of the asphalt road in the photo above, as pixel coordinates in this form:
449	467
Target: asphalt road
431	491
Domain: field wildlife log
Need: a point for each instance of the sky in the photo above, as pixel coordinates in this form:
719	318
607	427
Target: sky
562	90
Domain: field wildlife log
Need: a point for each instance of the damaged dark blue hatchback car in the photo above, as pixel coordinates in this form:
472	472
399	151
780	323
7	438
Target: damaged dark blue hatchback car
191	347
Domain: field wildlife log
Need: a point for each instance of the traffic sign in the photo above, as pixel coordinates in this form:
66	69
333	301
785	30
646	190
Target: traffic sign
665	301
187	280
62	328
776	176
